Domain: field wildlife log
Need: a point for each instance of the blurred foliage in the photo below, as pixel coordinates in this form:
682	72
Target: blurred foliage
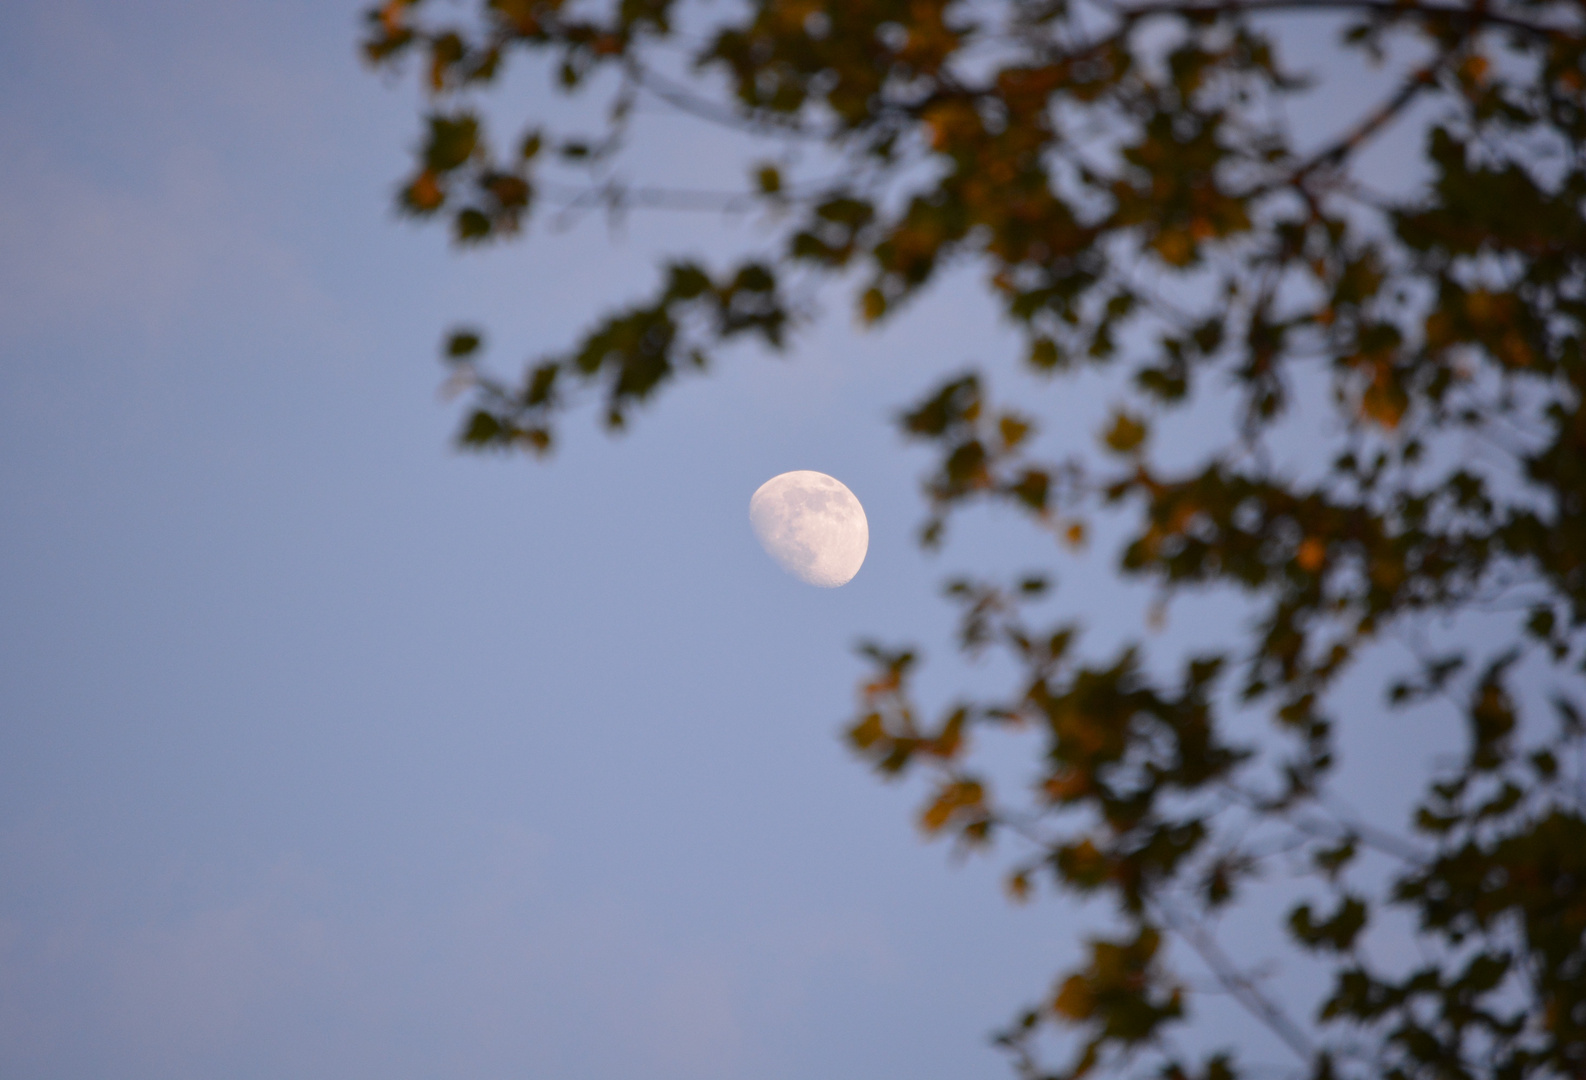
1123	175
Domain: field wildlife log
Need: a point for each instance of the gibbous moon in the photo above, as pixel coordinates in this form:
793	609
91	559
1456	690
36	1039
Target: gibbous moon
812	526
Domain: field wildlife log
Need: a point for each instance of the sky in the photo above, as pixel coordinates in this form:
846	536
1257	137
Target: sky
329	751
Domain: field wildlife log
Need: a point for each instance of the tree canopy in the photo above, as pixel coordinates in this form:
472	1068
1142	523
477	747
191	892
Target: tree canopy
1126	180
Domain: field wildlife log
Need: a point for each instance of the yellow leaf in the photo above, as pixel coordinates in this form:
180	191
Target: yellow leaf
1312	554
955	796
1126	433
1176	246
867	732
1013	431
1066	784
425	193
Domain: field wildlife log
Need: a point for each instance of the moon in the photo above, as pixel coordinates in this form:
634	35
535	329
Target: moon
812	526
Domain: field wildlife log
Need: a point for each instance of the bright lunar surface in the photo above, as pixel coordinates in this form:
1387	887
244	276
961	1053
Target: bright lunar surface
812	525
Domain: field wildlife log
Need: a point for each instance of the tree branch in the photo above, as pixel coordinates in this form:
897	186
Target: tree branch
1236	982
616	196
1478	16
1372	123
684	100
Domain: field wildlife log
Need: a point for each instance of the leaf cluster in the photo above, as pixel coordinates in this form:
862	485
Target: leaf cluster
1122	177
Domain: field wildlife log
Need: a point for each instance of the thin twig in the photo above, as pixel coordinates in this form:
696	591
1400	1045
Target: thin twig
1238	984
617	196
1387	8
1372	123
679	97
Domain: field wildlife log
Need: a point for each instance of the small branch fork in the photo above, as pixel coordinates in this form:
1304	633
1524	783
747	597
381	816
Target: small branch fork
1239	985
1236	982
1372	123
684	100
616	197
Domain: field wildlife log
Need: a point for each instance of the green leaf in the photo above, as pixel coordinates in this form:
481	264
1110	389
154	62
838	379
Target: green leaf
462	344
452	141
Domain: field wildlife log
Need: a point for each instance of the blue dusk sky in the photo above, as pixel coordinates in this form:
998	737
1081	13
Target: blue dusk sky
327	751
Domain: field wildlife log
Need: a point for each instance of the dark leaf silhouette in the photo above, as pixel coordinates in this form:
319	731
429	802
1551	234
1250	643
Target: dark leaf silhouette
1124	177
